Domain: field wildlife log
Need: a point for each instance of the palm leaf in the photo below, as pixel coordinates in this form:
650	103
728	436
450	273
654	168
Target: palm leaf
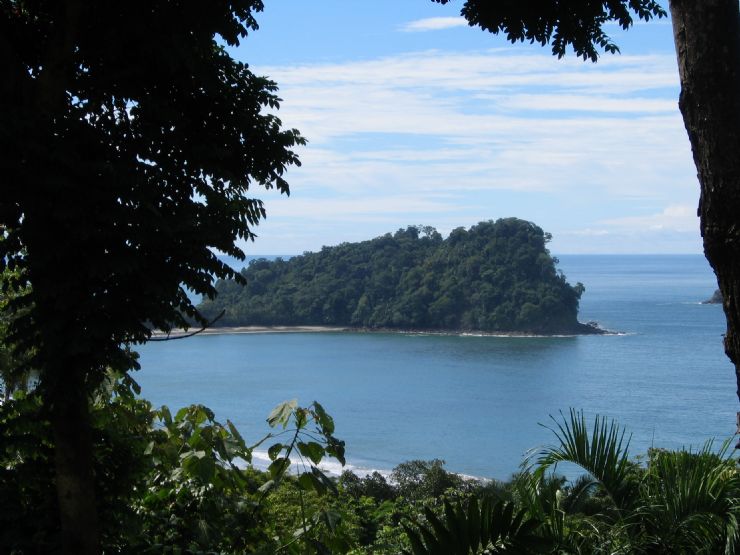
602	453
496	528
693	500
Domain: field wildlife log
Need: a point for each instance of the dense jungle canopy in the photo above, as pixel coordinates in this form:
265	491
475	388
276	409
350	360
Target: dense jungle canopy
496	276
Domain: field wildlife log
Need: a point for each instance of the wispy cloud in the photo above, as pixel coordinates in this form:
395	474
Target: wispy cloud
585	103
676	217
432	24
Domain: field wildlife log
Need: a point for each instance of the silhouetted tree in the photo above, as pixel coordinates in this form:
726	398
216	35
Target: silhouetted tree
129	138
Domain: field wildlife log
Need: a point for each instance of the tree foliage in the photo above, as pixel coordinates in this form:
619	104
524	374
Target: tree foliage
577	24
179	481
129	141
495	276
127	155
165	481
678	502
490	527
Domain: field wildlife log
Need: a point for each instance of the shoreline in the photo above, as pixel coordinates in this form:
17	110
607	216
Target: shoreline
239	330
588	329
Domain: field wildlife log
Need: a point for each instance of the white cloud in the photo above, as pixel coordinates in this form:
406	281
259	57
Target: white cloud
433	24
677	217
587	232
674	229
487	71
586	103
448	138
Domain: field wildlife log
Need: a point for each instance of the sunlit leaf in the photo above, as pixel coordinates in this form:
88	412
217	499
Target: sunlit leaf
280	415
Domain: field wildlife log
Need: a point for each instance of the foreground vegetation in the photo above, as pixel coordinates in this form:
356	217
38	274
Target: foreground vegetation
179	484
495	276
138	150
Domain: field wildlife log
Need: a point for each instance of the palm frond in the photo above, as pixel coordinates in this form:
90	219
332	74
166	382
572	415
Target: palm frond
497	528
694	499
602	452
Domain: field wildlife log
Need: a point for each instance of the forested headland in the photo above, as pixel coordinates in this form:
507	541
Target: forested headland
494	277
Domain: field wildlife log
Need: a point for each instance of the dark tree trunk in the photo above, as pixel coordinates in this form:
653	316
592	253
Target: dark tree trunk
64	379
707	37
70	420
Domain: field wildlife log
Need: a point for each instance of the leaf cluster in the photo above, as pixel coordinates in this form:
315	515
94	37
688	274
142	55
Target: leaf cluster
165	482
129	142
493	527
678	502
578	24
178	482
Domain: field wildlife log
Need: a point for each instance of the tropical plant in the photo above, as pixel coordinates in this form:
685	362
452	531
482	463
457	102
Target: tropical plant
488	526
677	502
681	502
166	482
690	500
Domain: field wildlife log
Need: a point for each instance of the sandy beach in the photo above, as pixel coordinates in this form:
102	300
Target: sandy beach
235	330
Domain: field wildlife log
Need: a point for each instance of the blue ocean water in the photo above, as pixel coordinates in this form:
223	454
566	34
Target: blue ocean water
477	402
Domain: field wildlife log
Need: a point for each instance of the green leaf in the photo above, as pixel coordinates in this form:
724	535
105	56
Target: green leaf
234	431
331	519
308	482
441	533
603	453
301	418
312	450
281	413
278	466
181	414
473	524
165	415
325	421
335	448
456	524
324	479
203	468
274	451
236	449
416	544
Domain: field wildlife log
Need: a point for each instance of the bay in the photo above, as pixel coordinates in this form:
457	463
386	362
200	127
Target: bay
479	402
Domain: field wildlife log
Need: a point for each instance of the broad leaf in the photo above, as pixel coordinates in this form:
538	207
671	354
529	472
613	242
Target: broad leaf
312	450
281	413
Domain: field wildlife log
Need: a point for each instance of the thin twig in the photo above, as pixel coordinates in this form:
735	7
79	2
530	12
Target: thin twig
191	334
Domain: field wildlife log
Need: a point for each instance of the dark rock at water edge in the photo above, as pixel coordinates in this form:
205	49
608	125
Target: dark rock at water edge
716	298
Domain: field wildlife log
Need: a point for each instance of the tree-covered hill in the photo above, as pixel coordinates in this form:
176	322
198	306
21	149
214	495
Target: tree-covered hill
494	277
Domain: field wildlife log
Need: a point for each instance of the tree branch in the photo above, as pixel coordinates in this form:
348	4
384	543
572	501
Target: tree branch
191	334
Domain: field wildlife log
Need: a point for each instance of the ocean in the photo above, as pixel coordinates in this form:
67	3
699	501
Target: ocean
482	403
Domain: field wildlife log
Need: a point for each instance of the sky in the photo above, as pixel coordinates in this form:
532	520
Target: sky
414	118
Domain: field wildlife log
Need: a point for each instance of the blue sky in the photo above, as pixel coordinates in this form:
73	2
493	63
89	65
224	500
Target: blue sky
413	117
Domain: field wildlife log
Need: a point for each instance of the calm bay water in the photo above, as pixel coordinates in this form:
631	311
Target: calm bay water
477	402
